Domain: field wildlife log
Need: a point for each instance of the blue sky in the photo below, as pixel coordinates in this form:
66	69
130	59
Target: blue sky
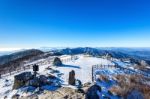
74	23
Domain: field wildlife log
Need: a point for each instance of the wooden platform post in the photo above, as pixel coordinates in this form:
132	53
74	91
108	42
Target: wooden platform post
92	75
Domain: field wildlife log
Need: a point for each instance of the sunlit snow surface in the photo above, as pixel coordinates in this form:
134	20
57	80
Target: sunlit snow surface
82	66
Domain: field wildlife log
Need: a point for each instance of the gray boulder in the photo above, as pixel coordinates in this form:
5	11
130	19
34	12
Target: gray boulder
16	96
72	77
21	79
43	79
57	62
34	82
92	92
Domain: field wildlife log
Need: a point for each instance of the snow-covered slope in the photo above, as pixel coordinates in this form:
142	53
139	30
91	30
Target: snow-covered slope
82	67
81	64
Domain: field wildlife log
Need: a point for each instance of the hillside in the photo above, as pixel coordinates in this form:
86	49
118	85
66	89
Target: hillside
105	73
135	54
13	61
106	77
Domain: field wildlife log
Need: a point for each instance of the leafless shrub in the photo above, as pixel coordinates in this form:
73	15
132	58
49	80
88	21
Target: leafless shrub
127	83
103	78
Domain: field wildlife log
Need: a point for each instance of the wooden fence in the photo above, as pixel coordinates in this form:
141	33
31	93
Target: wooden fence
100	67
116	66
68	59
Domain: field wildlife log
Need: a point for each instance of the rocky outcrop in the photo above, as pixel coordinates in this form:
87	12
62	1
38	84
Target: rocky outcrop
16	96
27	79
34	82
21	79
34	96
92	92
78	83
62	93
57	62
72	77
39	81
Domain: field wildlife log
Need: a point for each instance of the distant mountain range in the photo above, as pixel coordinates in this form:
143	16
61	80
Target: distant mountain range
116	52
15	59
135	54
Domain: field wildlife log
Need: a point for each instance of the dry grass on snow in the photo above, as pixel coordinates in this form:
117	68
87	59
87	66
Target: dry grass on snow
127	83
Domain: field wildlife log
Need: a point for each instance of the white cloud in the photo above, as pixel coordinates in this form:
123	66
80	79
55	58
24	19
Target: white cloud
10	49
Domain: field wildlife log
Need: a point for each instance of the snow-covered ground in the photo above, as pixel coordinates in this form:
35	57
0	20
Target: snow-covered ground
82	65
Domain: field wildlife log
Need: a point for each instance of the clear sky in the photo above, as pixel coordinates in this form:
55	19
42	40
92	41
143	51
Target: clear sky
74	23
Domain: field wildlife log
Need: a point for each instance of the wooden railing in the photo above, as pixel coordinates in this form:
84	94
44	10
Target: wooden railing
116	66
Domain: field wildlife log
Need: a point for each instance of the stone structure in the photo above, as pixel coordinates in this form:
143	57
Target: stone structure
57	62
20	79
92	92
72	77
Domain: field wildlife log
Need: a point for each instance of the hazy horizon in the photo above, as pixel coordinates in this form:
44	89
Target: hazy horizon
17	49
